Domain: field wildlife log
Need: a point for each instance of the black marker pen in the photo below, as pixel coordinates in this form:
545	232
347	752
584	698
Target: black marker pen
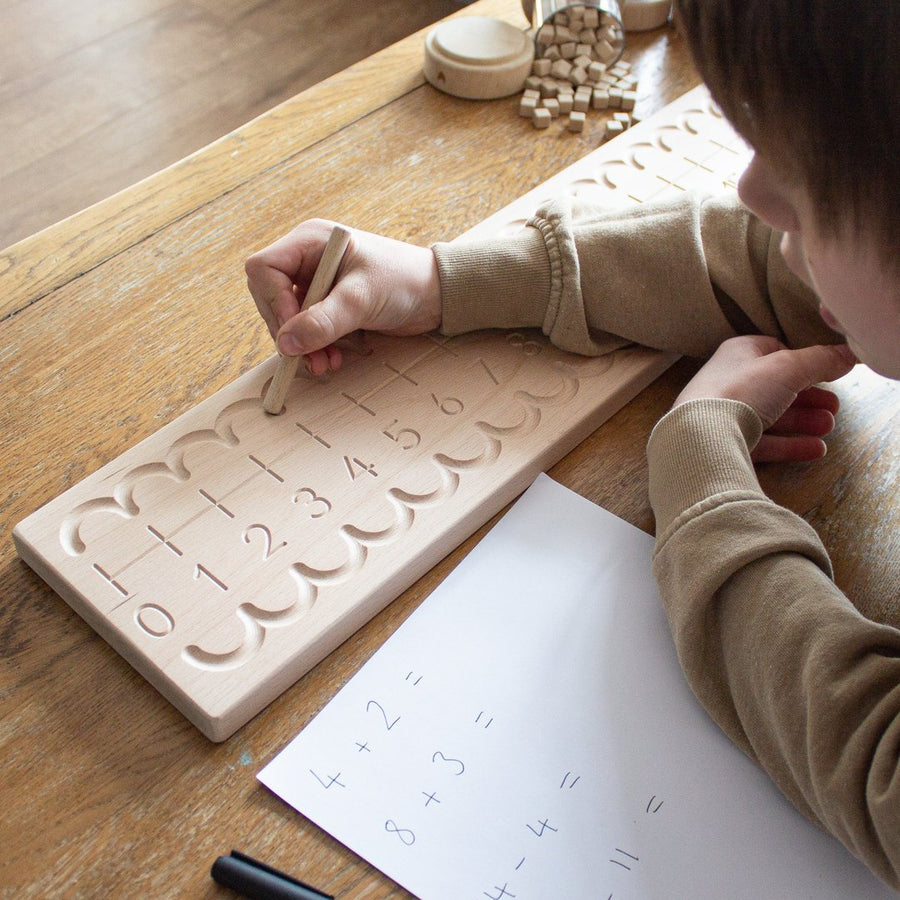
257	881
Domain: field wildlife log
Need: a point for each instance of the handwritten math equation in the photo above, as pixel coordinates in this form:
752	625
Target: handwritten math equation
381	741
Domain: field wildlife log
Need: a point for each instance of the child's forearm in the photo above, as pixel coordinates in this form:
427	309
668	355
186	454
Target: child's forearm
780	658
681	276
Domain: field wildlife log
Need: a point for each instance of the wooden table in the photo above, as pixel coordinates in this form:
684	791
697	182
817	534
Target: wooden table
120	318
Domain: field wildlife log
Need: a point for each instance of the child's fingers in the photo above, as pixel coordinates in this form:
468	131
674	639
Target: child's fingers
821	362
320	325
804	420
818	398
777	448
281	271
274	295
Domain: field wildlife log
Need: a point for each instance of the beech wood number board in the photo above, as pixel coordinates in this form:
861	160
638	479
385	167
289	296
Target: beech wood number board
229	552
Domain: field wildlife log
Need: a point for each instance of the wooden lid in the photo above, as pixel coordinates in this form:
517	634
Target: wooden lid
478	58
642	15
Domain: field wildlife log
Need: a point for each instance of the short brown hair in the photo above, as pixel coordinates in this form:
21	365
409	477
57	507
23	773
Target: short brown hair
814	85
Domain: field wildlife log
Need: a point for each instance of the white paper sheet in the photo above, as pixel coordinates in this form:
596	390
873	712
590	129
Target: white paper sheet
527	733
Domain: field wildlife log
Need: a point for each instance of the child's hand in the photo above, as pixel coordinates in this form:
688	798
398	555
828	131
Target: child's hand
780	385
382	285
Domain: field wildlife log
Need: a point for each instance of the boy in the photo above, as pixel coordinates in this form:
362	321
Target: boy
795	675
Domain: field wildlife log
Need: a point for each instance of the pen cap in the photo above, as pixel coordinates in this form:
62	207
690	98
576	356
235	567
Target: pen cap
258	882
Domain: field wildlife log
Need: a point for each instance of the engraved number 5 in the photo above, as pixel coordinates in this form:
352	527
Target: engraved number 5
405	437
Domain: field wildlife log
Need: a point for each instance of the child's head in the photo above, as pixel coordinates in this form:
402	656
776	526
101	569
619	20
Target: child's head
814	87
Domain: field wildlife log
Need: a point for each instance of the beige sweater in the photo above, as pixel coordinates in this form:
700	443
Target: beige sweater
798	677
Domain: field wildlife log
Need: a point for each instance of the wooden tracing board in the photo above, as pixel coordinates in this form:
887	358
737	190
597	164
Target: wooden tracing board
229	552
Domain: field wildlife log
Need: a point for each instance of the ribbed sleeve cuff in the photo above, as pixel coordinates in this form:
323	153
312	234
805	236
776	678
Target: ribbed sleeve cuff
700	449
498	283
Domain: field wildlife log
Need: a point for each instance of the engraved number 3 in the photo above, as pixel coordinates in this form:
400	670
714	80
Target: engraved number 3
312	499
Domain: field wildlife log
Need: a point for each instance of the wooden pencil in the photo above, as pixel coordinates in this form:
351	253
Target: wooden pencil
318	289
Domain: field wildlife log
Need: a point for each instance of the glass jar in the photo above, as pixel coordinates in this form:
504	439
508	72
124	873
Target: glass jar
590	28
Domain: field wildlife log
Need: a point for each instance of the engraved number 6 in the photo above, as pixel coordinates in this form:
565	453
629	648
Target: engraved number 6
451	406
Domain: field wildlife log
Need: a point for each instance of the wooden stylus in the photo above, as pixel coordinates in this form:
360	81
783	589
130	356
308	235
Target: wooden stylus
318	290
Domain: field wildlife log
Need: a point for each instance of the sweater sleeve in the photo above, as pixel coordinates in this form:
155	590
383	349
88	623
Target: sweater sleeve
780	658
679	275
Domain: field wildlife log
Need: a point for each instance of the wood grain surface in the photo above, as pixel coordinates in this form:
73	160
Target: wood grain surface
107	790
97	95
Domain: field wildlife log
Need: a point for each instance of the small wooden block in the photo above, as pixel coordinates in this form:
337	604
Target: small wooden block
546	34
578	75
600	99
549	87
527	106
541	117
576	121
565	103
614	128
629	98
605	51
551	104
581	103
561	68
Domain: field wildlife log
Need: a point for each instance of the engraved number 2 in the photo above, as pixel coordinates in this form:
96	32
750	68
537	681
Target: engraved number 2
268	547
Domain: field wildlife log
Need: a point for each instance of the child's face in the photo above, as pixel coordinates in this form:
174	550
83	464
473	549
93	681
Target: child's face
858	297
